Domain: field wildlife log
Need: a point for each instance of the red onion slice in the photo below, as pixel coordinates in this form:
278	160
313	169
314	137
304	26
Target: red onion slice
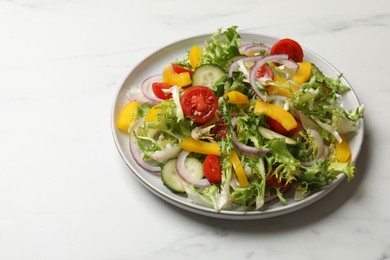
246	148
279	58
255	48
146	87
243	147
243	47
135	152
237	62
183	172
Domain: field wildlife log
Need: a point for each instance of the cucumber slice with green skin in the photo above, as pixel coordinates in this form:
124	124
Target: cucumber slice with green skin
269	134
207	75
170	178
194	168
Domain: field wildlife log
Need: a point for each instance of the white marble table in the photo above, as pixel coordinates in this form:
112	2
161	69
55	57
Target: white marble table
65	193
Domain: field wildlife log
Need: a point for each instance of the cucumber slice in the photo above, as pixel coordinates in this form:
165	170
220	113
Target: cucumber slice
269	134
207	75
194	168
170	178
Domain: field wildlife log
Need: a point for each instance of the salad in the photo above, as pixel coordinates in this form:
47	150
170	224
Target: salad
237	126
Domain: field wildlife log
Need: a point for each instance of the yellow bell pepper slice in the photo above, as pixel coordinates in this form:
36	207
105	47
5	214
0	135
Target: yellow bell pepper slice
171	77
236	97
301	76
195	56
276	90
126	116
277	113
241	176
152	115
343	151
303	73
197	146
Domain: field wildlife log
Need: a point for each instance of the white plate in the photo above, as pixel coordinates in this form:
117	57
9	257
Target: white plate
154	64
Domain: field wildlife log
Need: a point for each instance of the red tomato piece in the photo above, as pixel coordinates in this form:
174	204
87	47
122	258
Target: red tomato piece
289	47
265	71
274	182
277	127
220	130
212	169
158	87
325	89
199	103
180	69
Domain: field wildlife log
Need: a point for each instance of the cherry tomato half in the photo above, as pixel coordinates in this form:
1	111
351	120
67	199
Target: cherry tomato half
265	71
274	182
212	169
277	127
180	69
158	87
199	103
289	47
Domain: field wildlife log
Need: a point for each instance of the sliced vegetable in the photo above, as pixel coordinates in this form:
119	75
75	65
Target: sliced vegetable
269	134
274	182
195	56
212	168
191	170
152	115
243	180
158	90
289	47
276	112
303	73
171	77
277	127
246	148
136	152
197	146
343	151
207	75
236	97
252	49
199	103
279	90
180	69
265	71
278	58
170	178
126	116
147	88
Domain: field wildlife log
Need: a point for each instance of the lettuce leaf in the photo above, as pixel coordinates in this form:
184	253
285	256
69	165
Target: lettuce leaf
221	47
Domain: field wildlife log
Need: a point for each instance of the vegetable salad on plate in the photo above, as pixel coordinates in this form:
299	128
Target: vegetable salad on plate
238	126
